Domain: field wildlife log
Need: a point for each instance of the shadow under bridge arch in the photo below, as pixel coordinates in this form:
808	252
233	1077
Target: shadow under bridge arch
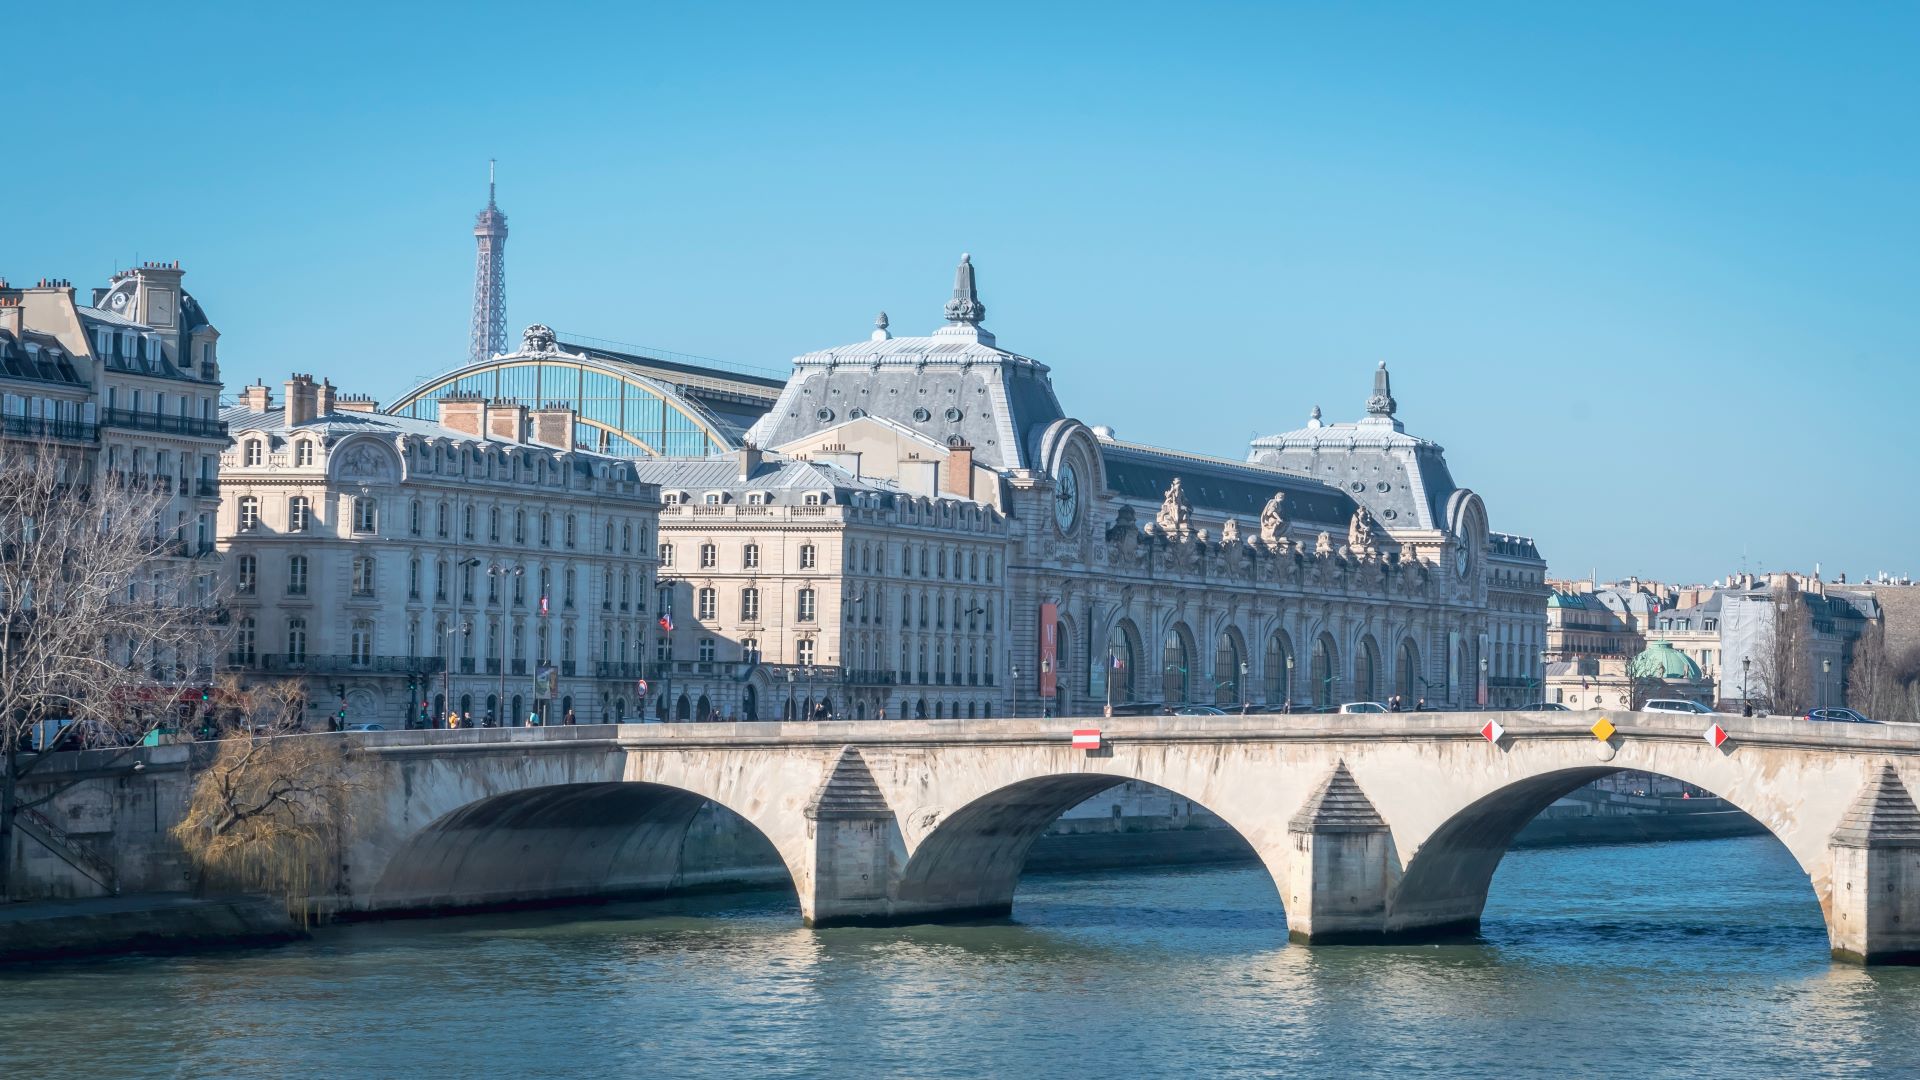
1443	890
575	842
970	864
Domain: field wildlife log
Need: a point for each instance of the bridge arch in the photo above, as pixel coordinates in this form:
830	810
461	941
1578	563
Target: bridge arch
561	842
1443	889
970	864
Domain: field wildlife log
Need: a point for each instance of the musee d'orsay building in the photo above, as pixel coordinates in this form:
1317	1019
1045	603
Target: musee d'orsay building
1338	562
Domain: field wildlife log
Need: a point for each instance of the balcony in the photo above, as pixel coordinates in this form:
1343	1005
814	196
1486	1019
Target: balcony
34	427
867	678
169	425
616	670
206	489
312	664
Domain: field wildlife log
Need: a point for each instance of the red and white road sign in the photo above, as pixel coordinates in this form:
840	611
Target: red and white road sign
1715	736
1086	738
1492	731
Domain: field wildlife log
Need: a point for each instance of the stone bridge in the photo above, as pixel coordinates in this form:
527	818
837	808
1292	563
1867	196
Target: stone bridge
1374	828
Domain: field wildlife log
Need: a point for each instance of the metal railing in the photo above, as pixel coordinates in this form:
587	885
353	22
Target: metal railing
172	425
34	427
315	664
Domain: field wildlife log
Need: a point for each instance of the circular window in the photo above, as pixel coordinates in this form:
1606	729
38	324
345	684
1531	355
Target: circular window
1358	485
921	415
1383	486
824	415
856	413
1389	513
954	415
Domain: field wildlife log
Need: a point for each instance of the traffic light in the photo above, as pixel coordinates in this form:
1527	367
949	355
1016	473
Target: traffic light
206	694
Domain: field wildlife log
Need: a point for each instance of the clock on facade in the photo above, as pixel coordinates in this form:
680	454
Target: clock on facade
1066	498
1460	560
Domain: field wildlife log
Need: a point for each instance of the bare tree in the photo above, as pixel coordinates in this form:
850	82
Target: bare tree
1785	664
265	814
103	626
1881	685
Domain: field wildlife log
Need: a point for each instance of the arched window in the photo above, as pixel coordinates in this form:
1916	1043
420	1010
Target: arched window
296	641
466	523
1176	664
441	522
1366	670
1279	669
1322	672
546	529
413	517
1412	687
519	526
1226	670
256	451
360	645
493	523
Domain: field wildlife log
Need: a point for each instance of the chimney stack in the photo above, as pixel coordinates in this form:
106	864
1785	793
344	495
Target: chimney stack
257	398
356	403
12	317
750	459
464	413
323	398
507	420
553	426
958	474
301	400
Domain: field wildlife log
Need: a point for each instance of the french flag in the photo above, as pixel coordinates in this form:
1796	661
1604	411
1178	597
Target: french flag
543	604
666	620
1117	662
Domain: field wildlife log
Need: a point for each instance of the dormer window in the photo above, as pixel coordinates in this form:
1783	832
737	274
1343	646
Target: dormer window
714	498
303	453
254	452
671	498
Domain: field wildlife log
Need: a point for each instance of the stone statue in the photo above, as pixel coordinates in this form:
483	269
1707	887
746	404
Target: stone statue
1230	533
1273	519
1176	513
1363	533
366	462
537	339
1323	546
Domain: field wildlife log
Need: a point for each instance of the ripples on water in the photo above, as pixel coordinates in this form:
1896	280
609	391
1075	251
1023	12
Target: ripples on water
1705	959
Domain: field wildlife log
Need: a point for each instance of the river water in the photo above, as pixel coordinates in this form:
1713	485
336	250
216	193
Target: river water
1701	959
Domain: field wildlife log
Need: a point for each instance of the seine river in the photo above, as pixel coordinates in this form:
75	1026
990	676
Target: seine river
1703	959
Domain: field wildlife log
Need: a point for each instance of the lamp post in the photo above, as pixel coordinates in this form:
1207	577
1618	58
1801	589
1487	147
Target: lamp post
500	571
1016	690
1483	695
1746	663
1113	662
810	704
446	672
1287	701
1826	670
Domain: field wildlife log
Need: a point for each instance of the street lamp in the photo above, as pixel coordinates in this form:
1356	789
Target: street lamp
1288	699
1016	690
1746	662
1826	670
446	671
500	571
1483	695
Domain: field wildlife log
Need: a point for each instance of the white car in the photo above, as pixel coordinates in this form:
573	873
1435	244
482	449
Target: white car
1363	707
1676	705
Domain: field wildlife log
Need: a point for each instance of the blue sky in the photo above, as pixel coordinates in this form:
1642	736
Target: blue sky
1647	271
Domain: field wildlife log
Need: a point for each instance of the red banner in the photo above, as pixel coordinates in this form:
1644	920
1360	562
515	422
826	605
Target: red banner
1049	647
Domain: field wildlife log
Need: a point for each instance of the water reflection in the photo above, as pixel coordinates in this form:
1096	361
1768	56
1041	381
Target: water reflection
1697	959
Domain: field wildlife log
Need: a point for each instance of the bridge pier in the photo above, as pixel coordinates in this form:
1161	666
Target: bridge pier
1873	916
857	849
1337	880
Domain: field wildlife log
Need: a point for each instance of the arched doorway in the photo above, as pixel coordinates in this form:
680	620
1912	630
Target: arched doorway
920	709
1321	670
683	709
620	710
1122	657
439	717
1279	668
1176	666
466	709
1228	667
750	704
493	709
703	709
1411	687
660	708
825	711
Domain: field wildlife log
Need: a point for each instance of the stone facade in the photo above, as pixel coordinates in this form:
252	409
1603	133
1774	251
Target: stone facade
799	589
405	569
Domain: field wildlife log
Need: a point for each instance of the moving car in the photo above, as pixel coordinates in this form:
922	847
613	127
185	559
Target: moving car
1363	707
1544	706
1839	716
366	727
1676	705
1199	710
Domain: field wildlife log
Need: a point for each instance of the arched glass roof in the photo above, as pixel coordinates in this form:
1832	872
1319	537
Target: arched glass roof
620	413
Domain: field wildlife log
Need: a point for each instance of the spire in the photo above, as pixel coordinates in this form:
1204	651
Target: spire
1381	403
490	203
488	337
965	307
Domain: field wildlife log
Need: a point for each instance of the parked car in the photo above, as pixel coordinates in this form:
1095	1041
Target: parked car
1363	707
1199	710
1676	705
1543	706
1839	716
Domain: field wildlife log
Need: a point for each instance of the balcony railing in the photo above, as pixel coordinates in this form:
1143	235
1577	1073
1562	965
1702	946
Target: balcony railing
617	670
867	678
171	425
314	664
34	427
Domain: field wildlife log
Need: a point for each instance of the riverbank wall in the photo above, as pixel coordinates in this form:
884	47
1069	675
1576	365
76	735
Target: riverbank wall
142	923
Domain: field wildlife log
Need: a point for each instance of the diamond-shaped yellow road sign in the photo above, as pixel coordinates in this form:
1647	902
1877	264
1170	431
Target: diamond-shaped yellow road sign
1604	729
